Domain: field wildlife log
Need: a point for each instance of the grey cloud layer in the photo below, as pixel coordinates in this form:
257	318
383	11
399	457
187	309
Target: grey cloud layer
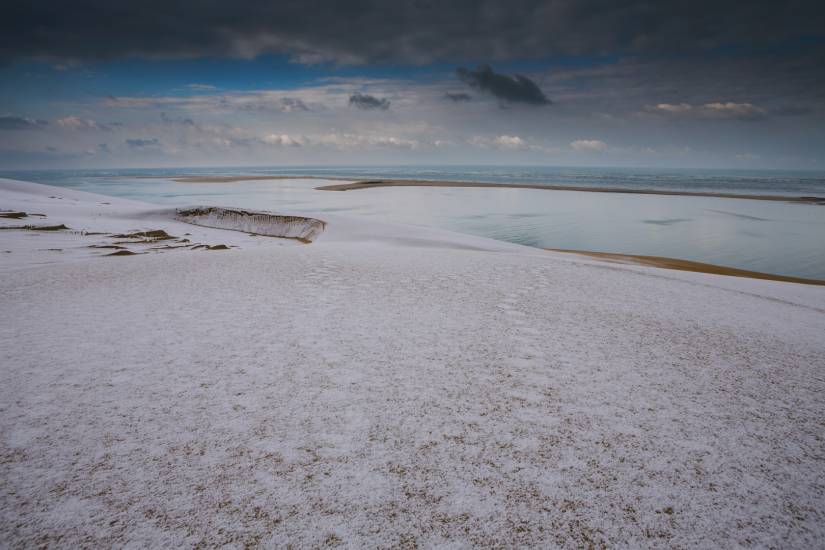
409	31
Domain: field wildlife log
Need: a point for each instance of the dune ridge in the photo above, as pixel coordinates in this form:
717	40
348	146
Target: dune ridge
258	223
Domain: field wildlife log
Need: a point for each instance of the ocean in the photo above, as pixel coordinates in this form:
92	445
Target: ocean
773	237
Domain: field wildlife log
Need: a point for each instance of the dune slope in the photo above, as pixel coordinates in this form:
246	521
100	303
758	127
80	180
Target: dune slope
395	386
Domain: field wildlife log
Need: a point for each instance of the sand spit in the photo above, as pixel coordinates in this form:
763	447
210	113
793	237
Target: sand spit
259	223
688	265
426	183
366	184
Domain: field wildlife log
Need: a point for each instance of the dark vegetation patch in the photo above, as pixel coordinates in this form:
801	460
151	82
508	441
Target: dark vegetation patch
123	253
155	234
210	247
60	227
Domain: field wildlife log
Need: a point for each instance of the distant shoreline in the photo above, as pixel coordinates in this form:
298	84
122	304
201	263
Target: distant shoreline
367	184
425	183
687	265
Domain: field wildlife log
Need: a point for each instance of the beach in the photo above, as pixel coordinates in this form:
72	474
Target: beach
389	385
370	184
770	236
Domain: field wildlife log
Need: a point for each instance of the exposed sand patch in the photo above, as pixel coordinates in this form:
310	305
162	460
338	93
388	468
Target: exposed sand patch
687	265
259	223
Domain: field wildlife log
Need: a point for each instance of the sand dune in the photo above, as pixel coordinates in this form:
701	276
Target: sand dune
392	386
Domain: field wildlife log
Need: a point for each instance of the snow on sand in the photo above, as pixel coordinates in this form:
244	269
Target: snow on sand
392	386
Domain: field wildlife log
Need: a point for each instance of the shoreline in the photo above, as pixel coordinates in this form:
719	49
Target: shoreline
368	184
663	262
460	184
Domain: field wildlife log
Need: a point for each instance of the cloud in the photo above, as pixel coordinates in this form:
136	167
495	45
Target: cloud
588	145
358	141
282	140
77	123
517	89
510	142
113	101
718	110
457	97
406	31
742	111
140	143
201	87
292	104
367	102
184	121
670	108
13	122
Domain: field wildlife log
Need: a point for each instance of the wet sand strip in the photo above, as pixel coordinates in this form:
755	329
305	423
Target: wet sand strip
687	265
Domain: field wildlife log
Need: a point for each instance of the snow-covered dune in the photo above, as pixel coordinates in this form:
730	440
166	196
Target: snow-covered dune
391	386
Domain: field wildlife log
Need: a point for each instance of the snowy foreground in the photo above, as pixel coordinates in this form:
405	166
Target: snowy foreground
391	386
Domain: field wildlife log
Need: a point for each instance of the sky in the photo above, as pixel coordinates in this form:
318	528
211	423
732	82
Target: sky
100	84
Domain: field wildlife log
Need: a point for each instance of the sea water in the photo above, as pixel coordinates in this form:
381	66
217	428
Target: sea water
774	237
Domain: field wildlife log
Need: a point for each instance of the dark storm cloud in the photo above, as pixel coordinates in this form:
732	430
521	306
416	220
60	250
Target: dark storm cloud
139	143
368	102
457	97
517	89
410	31
12	122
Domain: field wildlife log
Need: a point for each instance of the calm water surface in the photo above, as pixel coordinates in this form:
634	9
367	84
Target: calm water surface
773	237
